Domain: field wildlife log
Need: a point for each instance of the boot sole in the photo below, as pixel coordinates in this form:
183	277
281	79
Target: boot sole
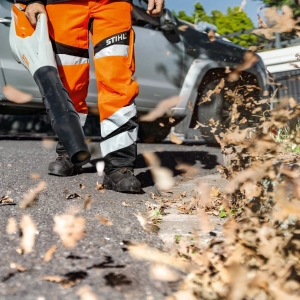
109	185
61	173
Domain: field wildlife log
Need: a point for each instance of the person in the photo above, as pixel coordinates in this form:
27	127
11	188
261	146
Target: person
110	25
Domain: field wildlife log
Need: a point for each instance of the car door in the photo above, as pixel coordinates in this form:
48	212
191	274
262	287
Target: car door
14	73
159	59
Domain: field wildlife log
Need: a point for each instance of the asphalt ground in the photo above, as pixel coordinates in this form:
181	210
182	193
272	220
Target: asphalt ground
101	259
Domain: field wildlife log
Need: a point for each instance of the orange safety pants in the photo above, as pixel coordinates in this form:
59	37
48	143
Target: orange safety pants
109	23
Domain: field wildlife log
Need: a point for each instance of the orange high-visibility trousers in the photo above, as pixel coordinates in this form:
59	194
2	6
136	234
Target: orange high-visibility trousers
109	23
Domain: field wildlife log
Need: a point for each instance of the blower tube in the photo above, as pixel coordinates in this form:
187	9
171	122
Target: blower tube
64	119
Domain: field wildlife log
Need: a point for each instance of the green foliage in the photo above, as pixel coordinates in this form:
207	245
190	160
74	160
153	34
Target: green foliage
177	238
223	213
286	136
232	21
199	14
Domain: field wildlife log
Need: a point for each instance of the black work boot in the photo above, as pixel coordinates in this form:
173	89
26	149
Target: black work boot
62	166
123	181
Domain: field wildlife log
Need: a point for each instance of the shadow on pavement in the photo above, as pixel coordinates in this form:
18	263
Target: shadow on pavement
170	159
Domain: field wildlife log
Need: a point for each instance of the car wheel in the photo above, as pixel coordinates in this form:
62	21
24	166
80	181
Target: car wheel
217	109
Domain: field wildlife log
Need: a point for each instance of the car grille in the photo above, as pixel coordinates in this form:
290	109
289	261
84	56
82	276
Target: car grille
291	84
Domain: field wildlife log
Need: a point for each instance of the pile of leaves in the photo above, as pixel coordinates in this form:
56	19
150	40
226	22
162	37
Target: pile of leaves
258	258
259	255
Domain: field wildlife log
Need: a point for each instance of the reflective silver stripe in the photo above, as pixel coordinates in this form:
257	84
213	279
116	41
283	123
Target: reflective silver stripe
113	50
118	119
67	60
120	141
82	118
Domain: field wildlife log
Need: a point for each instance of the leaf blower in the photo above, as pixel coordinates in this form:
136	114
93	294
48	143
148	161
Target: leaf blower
32	48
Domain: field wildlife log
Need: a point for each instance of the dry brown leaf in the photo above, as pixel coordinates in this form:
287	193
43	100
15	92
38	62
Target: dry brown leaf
161	109
17	267
88	201
249	60
211	35
251	189
227	70
20	251
48	143
16	96
35	176
28	229
73	196
162	176
242	6
171	120
125	204
5	200
11	226
99	186
215	192
280	22
104	220
63	281
204	191
175	139
261	22
217	91
183	27
188	170
85	293
191	106
70	229
255	48
279	294
81	186
293	103
49	254
163	273
198	125
184	295
295	65
238	281
205	224
143	252
142	220
31	196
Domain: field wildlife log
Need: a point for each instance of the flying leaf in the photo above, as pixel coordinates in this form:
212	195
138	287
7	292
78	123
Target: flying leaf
161	109
85	293
49	254
104	220
11	226
16	96
28	229
31	196
70	229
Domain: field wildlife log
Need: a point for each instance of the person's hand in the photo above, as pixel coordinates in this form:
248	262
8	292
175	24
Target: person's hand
155	7
32	10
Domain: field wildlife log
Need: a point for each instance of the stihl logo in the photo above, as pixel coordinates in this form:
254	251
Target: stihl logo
25	60
116	38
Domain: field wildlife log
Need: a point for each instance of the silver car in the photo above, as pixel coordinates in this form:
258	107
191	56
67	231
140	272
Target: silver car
172	58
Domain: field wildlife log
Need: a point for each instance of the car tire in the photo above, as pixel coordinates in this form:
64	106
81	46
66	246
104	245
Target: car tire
215	109
219	109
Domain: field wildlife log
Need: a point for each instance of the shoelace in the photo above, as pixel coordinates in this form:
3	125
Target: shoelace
62	156
125	170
